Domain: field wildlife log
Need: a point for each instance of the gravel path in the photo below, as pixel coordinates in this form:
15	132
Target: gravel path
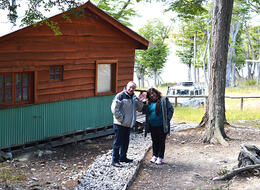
101	175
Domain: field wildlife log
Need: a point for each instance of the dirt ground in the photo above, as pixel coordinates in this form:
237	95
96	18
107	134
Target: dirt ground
188	164
51	168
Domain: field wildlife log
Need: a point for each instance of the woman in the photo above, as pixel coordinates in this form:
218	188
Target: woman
159	112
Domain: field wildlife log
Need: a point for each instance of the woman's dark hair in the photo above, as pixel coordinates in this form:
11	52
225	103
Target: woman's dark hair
157	92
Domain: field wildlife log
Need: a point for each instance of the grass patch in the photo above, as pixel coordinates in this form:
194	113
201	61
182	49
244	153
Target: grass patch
188	114
243	90
250	112
8	176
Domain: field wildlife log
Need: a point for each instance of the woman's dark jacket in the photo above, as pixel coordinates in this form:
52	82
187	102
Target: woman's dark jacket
167	112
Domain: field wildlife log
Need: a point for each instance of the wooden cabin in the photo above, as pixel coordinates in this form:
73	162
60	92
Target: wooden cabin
54	85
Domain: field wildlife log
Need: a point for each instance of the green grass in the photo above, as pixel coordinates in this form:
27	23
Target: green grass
243	90
188	114
250	112
8	176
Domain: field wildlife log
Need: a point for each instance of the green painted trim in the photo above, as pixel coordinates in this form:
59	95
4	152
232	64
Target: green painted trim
38	122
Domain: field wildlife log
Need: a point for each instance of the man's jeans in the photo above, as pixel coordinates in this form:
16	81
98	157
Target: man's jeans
121	142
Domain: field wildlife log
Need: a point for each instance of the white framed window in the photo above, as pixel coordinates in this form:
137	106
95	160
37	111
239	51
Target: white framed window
106	77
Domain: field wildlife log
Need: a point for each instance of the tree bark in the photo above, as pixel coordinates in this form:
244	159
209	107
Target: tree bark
155	77
142	79
222	12
204	60
189	73
233	74
195	56
236	171
208	48
233	34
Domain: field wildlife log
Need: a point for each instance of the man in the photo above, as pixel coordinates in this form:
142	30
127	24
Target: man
124	108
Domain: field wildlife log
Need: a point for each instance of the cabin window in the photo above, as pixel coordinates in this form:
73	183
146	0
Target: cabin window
56	73
5	87
106	75
15	88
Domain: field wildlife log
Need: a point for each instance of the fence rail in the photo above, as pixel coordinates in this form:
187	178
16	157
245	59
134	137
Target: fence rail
204	96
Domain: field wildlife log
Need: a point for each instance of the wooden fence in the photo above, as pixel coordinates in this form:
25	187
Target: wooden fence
231	97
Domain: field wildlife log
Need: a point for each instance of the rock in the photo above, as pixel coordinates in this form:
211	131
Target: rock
34	178
102	175
9	155
24	157
3	155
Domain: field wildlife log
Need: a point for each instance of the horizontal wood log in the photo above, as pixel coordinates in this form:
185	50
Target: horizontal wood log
236	171
67	89
70	82
65	96
249	162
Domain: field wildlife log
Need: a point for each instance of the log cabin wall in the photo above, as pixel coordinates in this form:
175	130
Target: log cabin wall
71	102
83	42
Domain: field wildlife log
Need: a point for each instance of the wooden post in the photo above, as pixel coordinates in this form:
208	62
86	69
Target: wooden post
241	104
176	103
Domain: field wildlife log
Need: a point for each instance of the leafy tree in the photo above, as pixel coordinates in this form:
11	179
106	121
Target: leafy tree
214	117
153	59
187	9
122	10
191	40
37	10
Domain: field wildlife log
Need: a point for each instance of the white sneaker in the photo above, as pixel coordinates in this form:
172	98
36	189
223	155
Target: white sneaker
158	161
153	160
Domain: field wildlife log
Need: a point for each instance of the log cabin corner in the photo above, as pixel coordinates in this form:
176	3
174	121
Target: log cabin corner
55	85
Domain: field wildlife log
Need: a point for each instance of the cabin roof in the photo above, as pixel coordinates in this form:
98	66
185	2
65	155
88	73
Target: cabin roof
127	31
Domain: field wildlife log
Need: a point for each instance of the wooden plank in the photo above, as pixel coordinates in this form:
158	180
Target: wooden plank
66	96
85	52
78	74
123	71
125	77
69	82
79	67
41	44
66	89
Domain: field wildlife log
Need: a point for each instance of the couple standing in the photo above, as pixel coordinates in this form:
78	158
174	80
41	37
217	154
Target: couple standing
158	112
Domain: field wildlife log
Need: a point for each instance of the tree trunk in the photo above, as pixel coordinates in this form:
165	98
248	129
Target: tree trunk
198	75
258	76
222	12
189	73
249	40
204	60
155	77
142	79
208	48
195	56
249	76
233	34
233	74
